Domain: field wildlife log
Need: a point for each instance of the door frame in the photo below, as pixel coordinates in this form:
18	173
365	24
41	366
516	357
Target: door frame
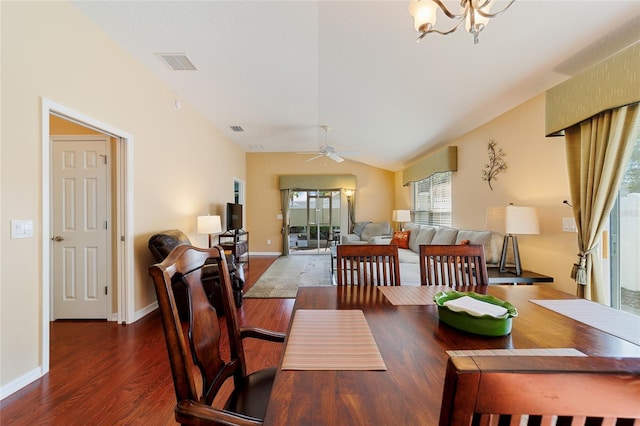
124	261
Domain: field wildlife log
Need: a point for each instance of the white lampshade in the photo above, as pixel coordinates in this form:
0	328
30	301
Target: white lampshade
401	216
424	14
479	20
513	220
209	225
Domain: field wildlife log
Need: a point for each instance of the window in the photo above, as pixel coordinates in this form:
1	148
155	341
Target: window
624	226
431	200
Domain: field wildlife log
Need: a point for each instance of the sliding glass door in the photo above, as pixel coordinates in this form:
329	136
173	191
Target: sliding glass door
314	220
624	242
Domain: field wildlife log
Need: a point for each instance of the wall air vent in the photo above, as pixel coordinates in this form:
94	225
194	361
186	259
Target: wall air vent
176	61
256	147
237	129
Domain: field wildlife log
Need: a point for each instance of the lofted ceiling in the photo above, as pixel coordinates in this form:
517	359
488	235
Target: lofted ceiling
282	69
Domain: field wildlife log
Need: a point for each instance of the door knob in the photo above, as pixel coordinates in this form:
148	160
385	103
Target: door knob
57	238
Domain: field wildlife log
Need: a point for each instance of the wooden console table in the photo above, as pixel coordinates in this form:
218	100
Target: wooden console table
527	277
236	243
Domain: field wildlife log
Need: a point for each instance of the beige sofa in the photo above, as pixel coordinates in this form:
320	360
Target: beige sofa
427	234
365	232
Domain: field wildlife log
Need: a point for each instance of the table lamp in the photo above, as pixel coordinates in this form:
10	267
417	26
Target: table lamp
512	220
401	216
209	225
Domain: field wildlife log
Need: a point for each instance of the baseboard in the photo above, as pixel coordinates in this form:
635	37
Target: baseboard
264	253
20	382
145	311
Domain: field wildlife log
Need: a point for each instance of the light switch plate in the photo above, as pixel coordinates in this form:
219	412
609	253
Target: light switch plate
21	229
569	224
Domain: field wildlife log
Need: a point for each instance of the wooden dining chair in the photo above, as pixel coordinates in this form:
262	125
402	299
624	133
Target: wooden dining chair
367	264
453	265
541	390
248	401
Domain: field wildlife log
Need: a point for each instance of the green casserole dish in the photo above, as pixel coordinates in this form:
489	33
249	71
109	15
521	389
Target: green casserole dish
485	325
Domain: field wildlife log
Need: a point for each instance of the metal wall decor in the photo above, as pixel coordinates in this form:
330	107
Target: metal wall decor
496	163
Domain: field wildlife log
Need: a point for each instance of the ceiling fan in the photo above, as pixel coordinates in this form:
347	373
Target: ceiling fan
327	150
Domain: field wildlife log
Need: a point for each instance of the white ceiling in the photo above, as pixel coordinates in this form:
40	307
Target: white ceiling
280	69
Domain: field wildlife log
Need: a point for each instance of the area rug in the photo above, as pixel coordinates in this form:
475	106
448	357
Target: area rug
287	273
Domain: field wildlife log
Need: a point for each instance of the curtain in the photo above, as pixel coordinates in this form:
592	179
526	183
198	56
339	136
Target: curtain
442	160
598	150
609	84
351	211
315	182
284	201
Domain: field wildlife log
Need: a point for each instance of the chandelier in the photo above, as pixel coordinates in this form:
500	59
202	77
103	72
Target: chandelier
474	13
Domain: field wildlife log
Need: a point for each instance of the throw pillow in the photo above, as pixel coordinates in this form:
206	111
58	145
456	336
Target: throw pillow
359	227
423	236
445	236
462	243
401	239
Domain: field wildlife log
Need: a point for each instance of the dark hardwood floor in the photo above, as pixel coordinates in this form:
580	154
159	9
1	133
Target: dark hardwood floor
103	373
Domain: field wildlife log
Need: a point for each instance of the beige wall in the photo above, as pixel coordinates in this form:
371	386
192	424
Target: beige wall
374	197
49	50
536	176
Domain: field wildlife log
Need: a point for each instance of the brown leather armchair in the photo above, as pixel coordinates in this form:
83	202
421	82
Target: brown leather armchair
162	243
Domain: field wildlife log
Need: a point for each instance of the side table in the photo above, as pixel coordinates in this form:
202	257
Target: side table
527	277
334	256
237	243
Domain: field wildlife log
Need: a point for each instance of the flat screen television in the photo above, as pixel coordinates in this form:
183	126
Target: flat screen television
234	217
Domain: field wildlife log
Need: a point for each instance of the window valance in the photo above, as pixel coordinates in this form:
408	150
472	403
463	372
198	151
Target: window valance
311	182
612	83
442	160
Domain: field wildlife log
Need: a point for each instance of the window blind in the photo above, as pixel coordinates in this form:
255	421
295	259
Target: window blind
432	200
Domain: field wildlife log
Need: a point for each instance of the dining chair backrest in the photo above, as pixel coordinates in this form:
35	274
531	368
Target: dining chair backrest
453	265
368	264
204	336
547	390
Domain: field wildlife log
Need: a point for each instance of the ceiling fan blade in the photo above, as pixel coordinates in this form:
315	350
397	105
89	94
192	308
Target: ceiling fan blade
335	157
314	157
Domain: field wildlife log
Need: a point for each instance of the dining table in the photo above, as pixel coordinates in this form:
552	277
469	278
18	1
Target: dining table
414	346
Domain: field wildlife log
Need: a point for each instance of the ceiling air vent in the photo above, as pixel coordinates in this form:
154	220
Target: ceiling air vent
176	61
237	129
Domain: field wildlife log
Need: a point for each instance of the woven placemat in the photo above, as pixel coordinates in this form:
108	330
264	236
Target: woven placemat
412	295
331	340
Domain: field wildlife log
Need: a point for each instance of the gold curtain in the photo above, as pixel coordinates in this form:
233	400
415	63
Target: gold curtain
314	182
351	211
609	84
442	160
284	202
598	151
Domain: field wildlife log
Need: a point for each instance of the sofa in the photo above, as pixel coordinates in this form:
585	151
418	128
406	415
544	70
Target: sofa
409	258
364	232
161	244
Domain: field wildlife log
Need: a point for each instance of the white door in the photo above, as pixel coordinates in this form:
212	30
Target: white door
80	227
